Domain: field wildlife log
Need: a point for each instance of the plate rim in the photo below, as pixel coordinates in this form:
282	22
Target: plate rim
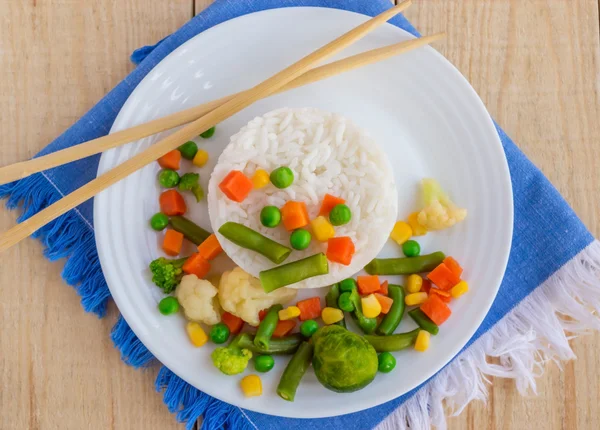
482	311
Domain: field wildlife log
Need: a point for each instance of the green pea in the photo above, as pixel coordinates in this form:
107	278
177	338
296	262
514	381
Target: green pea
282	177
345	302
270	216
308	328
219	333
168	306
188	150
340	215
168	178
208	133
347	285
300	239
159	221
263	363
411	248
387	362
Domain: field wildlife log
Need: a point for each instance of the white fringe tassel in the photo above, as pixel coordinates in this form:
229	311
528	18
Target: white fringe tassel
538	330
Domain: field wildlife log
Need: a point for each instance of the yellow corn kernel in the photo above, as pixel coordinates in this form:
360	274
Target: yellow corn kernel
196	334
459	289
331	315
422	342
260	178
370	306
415	299
289	313
401	232
201	158
417	229
414	283
251	385
322	229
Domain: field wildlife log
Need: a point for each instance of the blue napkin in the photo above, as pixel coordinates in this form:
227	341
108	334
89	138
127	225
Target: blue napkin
552	254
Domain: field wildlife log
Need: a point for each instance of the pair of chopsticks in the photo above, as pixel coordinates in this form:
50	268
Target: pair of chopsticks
198	120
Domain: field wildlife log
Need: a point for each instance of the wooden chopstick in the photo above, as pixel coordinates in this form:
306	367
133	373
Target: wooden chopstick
173	141
25	168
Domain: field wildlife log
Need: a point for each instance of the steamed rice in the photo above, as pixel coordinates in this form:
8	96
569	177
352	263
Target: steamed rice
328	154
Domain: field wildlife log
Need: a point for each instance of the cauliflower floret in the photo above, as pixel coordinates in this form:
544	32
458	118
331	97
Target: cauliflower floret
439	211
198	297
242	295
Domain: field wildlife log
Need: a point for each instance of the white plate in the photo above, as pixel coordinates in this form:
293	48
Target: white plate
417	106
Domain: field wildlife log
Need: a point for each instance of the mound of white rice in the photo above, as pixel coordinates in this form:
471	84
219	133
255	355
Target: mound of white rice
328	154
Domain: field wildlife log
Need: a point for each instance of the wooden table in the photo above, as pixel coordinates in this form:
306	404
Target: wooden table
535	63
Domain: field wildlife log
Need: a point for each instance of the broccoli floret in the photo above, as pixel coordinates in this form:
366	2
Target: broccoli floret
191	182
231	359
167	274
439	212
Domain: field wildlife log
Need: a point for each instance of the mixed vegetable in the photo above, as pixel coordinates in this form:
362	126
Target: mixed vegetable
343	361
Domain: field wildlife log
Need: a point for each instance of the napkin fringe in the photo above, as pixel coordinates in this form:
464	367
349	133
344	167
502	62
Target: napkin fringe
68	236
535	332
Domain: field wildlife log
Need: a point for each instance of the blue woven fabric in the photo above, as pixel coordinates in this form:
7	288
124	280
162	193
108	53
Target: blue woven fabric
547	234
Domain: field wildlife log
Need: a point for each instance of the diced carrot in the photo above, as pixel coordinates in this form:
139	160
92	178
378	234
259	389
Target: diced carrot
172	242
170	160
234	323
309	308
443	277
444	295
172	203
383	289
196	265
436	309
329	202
368	284
284	327
453	266
340	250
426	287
262	314
294	215
385	302
236	186
210	248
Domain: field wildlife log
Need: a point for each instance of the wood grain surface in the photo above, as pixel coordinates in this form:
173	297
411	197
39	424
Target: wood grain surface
535	63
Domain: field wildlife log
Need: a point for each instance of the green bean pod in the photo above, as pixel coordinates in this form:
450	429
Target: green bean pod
423	321
267	327
393	342
296	271
294	371
253	240
367	325
391	321
331	300
405	266
192	232
286	345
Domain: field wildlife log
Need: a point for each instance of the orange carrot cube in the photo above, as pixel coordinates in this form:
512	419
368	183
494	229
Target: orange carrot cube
436	309
329	202
443	277
294	215
196	265
236	186
170	160
210	248
340	250
172	242
385	302
368	284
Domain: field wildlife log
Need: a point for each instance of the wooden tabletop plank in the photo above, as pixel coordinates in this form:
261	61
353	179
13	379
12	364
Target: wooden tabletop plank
58	368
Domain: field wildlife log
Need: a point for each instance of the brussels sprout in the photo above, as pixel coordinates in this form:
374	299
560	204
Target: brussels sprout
343	361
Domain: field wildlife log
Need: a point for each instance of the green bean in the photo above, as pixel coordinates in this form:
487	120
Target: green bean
253	240
423	321
391	321
277	346
291	273
294	371
191	231
331	300
393	342
367	325
267	327
405	266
